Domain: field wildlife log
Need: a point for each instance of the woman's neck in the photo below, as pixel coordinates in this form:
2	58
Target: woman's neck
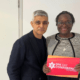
66	36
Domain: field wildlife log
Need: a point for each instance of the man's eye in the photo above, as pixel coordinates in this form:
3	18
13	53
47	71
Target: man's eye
45	22
37	22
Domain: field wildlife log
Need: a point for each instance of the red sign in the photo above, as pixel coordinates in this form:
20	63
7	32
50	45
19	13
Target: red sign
62	66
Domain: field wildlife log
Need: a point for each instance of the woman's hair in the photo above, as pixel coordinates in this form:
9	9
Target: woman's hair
65	12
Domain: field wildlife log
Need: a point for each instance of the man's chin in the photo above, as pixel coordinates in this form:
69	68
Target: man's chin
41	33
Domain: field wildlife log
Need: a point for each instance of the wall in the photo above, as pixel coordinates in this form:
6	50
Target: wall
8	32
53	8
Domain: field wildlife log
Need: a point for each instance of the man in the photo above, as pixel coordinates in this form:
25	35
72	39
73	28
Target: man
29	52
64	43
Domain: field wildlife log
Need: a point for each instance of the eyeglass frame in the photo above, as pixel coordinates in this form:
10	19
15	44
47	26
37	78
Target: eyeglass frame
67	23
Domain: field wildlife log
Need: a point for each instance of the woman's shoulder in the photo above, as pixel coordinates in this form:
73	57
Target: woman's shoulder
51	36
77	35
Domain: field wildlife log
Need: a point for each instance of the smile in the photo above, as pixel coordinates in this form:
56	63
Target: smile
64	29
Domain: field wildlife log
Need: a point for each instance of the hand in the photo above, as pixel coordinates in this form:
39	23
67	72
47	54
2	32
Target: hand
46	69
77	67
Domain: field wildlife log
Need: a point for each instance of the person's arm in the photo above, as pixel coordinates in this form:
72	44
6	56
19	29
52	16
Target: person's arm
16	60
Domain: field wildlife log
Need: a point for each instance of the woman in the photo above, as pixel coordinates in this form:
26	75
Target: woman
64	43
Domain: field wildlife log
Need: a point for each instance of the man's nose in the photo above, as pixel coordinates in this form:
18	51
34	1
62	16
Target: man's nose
41	25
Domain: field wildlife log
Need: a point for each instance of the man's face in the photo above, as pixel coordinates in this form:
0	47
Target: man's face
39	24
64	24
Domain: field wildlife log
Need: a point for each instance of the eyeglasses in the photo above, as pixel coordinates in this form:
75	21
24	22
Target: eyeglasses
67	23
44	22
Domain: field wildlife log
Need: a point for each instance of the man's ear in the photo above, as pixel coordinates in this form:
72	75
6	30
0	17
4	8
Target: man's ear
48	23
31	23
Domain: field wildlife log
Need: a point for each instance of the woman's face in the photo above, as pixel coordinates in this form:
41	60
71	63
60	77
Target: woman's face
64	24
